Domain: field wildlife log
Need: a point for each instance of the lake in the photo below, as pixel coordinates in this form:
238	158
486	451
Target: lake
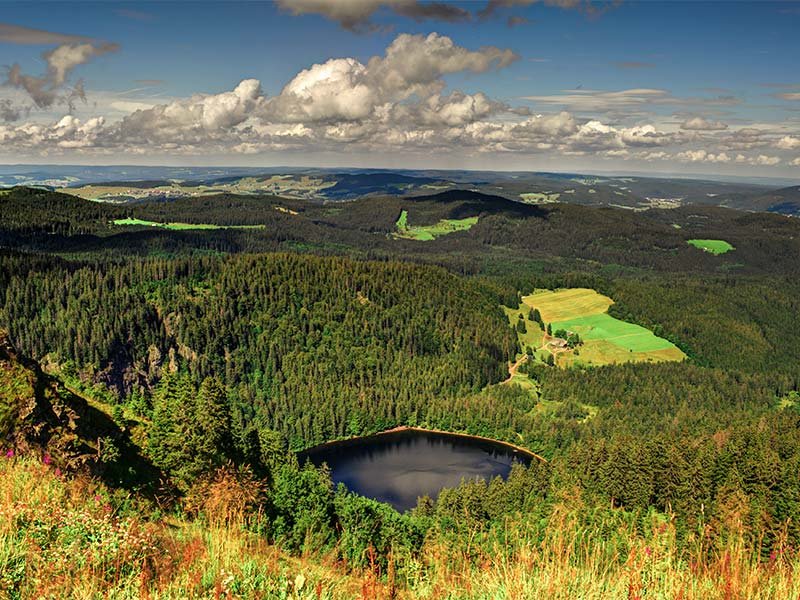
399	466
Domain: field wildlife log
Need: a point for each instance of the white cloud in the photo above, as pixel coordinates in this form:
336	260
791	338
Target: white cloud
413	65
765	161
788	142
701	124
395	102
796	162
761	160
702	156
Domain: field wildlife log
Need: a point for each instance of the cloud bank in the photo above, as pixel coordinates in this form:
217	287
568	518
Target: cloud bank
398	102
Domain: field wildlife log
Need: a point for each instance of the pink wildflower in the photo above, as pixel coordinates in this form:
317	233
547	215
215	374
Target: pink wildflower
46	459
58	472
647	551
10	453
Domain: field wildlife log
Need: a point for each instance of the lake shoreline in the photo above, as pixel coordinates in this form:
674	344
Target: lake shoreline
408	428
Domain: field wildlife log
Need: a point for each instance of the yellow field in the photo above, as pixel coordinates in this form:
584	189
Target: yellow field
606	340
563	305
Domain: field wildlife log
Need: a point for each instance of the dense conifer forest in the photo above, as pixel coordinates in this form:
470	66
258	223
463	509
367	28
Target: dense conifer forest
220	353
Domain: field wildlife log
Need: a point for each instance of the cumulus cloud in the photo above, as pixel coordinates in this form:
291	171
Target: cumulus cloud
397	101
356	15
796	162
701	124
788	142
703	156
765	161
413	65
191	120
746	138
761	160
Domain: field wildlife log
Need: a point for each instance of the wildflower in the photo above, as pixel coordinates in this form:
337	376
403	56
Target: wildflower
648	551
10	453
58	472
46	459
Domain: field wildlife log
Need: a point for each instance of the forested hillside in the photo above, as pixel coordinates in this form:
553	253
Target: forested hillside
210	356
315	348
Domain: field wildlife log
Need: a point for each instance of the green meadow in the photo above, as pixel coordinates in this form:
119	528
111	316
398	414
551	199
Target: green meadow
180	226
606	340
426	233
712	246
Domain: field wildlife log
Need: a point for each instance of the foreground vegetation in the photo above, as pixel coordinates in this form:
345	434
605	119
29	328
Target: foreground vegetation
74	537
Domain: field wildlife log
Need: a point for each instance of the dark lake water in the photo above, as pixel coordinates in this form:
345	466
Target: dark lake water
399	467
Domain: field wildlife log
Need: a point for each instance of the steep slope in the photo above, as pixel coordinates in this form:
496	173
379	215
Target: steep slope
40	416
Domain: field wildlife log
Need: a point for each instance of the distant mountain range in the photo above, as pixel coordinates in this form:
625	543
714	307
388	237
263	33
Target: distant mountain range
124	184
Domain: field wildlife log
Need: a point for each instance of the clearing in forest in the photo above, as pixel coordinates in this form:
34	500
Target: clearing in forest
181	226
426	233
605	340
712	246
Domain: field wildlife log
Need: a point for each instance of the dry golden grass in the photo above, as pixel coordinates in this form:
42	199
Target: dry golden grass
562	305
73	538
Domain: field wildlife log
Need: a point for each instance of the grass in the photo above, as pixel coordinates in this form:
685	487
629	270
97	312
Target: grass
606	340
402	221
426	233
533	335
562	305
633	338
180	226
71	537
75	538
712	246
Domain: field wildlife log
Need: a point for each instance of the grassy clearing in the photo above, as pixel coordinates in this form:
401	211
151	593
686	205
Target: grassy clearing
533	335
180	226
402	221
712	246
562	305
426	233
606	340
605	327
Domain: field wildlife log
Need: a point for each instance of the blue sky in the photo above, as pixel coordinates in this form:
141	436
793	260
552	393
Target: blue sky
706	87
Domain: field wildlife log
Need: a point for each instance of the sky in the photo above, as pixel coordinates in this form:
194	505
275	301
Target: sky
558	85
